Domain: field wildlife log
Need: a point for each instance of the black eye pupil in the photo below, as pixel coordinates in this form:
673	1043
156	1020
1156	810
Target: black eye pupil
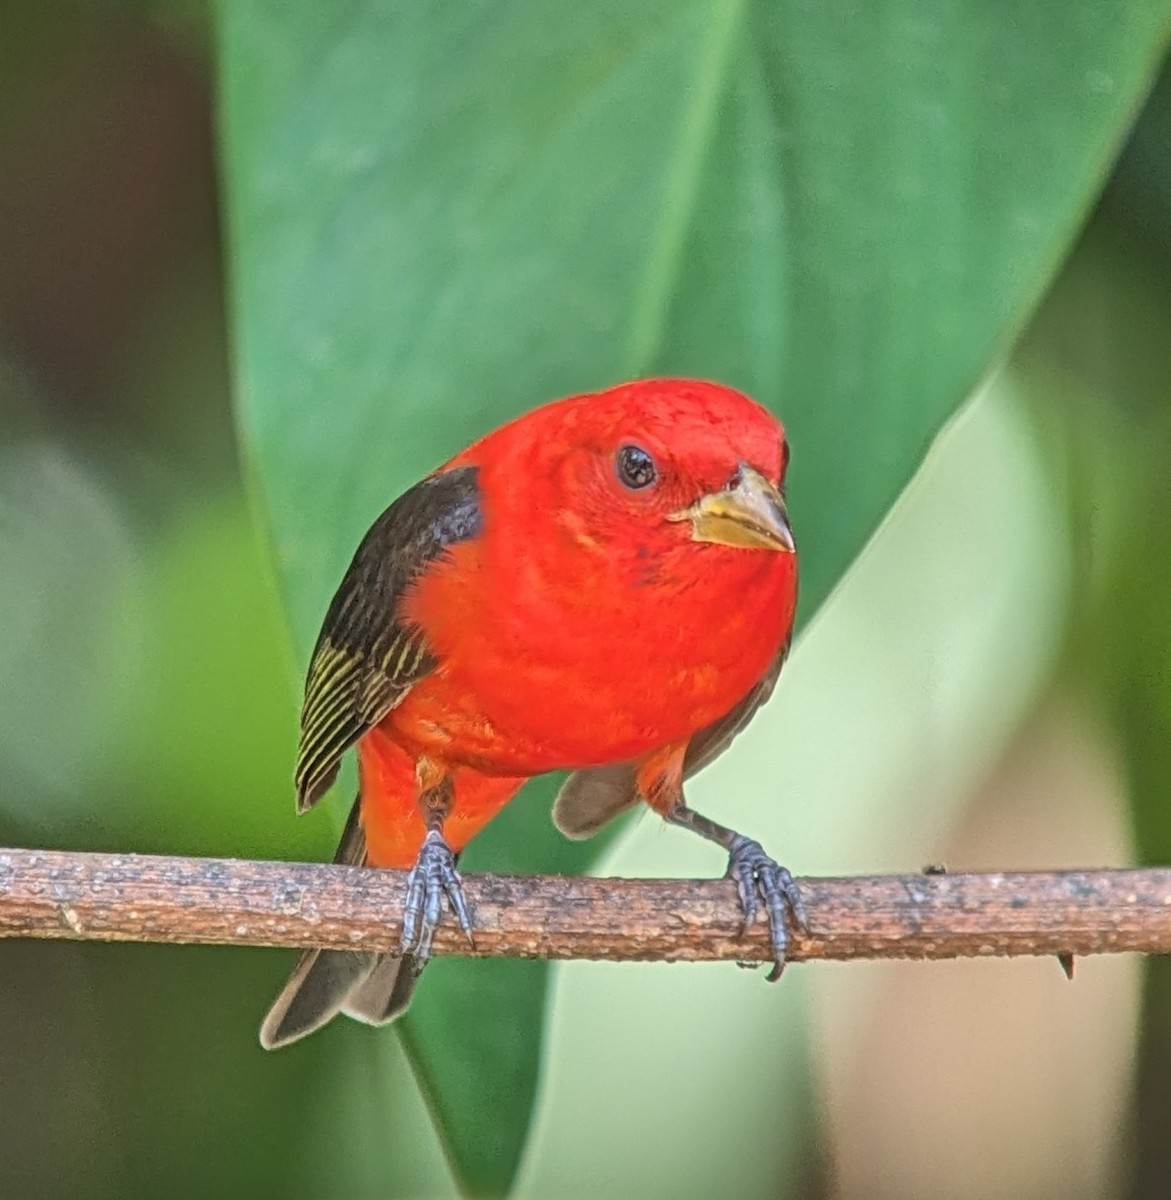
636	468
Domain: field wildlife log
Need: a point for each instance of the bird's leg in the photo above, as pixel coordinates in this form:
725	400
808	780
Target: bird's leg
433	875
757	876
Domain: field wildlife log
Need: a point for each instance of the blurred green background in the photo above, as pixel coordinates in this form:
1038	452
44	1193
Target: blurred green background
377	229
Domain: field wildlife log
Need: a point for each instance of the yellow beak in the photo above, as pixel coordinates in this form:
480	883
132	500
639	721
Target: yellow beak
751	514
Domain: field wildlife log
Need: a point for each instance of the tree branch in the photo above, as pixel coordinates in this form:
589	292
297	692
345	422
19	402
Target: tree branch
141	898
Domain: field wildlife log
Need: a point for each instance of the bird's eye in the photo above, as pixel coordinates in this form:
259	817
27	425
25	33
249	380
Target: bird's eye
635	466
784	460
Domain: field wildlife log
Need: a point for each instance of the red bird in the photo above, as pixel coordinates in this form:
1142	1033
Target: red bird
606	585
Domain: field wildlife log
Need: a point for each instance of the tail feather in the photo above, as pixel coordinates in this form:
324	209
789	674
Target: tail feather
385	993
374	988
314	995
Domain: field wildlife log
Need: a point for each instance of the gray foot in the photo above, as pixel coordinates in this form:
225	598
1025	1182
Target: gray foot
758	877
432	877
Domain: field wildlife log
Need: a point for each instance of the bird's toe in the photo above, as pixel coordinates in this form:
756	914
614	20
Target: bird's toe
760	877
432	878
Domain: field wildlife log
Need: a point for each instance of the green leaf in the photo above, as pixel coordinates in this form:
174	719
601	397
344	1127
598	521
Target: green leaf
441	215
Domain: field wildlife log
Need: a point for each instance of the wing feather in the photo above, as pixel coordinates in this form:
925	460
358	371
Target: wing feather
367	656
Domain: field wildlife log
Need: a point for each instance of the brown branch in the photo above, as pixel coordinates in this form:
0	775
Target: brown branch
140	898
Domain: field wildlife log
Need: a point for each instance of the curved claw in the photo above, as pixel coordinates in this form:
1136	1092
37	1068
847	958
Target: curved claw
758	875
432	877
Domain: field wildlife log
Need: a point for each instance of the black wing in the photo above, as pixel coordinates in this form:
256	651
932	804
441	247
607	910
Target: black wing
367	657
589	799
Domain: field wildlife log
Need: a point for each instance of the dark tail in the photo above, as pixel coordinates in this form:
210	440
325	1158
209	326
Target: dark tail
374	988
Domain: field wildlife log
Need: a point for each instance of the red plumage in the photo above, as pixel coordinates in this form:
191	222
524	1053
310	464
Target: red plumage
607	585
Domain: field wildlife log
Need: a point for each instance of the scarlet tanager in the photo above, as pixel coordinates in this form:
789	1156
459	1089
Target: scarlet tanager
604	585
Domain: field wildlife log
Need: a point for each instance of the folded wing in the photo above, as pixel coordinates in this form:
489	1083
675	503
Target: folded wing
367	657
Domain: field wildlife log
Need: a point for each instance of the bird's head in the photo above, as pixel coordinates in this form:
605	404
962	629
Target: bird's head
649	466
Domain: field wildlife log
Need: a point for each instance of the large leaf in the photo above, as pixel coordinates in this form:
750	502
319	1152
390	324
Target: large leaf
443	214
